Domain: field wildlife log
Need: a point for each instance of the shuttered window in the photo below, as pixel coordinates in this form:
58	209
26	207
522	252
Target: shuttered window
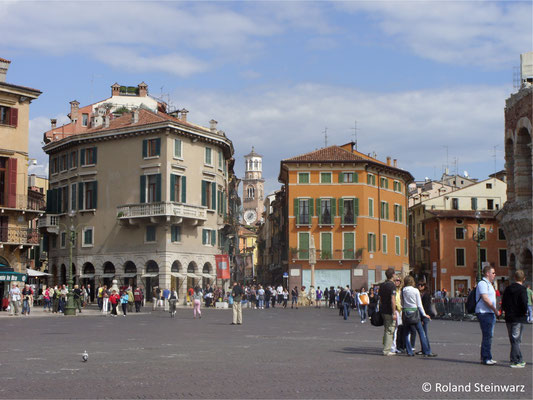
9	116
348	245
151	147
303	245
175	234
326	246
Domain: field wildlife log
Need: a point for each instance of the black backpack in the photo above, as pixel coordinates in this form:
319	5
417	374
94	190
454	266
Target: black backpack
471	302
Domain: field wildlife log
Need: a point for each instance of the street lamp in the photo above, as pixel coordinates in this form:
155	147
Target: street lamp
478	236
70	308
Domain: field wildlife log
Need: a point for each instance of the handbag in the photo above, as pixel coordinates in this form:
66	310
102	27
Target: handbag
411	317
376	319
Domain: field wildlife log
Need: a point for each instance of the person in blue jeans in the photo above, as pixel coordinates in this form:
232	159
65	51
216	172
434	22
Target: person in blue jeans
486	313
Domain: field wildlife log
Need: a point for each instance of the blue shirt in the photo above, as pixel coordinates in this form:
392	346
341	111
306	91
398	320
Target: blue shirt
485	287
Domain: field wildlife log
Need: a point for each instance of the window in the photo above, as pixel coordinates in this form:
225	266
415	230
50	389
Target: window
384	244
349	210
178	148
348	245
8	116
326	246
397	186
397	248
483	255
473	203
54	166
63	162
303	245
209	237
84	119
384	210
151	148
208	156
398	213
370	207
405	247
502	253
88	156
455	203
326	213
53	240
150	234
178	188
384	183
371	245
303	212
88	237
325	177
209	195
73	196
459	233
87	195
175	234
73	163
460	257
488	185
482	233
250	192
220	160
501	234
64	199
150	189
490	204
348	177
63	242
303	177
371	179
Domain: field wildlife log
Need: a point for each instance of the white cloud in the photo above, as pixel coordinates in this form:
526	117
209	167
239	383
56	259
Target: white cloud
481	33
410	126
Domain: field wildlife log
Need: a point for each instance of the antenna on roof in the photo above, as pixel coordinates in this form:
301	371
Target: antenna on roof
355	133
494	156
326	136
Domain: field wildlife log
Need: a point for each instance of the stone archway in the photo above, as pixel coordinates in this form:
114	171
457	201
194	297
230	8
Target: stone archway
522	171
207	269
193	279
151	277
509	165
63	276
526	264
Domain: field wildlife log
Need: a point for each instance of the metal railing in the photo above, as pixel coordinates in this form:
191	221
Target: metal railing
161	209
23	202
19	235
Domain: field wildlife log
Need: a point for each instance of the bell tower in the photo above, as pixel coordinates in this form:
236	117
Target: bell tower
253	191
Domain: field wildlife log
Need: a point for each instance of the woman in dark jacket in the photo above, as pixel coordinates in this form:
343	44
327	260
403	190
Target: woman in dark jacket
372	301
426	303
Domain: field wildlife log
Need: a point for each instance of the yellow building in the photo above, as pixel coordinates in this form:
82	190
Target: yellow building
248	255
354	208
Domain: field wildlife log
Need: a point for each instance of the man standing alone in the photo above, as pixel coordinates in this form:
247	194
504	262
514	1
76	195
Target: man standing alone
514	303
486	313
387	305
236	293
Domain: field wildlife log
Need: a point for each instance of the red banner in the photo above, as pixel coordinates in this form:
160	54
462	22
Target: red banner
222	261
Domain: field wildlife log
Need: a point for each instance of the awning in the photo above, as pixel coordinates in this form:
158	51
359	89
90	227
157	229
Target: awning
208	276
6	276
151	275
111	275
33	273
178	275
194	276
89	276
129	275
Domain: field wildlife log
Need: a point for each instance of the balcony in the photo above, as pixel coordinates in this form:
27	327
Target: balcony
23	202
50	222
19	236
174	213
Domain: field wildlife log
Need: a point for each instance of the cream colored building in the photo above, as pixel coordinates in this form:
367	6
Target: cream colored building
16	209
146	193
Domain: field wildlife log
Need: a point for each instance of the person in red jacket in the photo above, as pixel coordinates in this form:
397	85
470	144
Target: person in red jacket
114	299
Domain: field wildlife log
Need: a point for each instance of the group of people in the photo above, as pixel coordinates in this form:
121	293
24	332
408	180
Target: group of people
18	297
127	297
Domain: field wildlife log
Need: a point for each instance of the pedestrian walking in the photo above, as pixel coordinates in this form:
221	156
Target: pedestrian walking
172	301
197	301
363	304
486	313
124	302
138	298
345	299
387	304
14	300
77	297
426	303
294	297
332	296
27	299
237	293
55	299
318	296
47	299
114	299
514	303
285	297
372	301
261	297
529	305
105	300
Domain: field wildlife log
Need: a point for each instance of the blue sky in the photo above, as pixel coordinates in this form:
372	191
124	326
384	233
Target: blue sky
416	75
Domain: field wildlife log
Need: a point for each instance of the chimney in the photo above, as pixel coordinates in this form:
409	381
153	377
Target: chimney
135	116
395	163
53	122
143	89
4	66
115	90
183	114
74	108
213	125
106	121
388	160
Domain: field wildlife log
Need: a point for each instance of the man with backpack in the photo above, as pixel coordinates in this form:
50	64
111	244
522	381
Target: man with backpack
486	313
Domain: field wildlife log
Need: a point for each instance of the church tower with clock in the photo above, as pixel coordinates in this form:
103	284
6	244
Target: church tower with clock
252	186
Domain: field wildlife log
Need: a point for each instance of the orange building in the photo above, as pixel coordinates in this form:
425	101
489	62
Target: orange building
453	251
354	208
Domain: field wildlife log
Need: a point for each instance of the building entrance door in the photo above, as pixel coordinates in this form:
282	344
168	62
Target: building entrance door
459	287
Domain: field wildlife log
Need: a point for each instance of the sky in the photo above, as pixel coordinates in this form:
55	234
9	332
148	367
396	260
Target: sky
424	82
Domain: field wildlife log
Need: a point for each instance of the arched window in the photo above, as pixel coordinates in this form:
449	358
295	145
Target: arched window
256	165
522	171
509	166
251	192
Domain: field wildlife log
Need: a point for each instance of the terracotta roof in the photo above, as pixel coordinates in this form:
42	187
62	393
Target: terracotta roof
331	153
462	213
20	87
4	60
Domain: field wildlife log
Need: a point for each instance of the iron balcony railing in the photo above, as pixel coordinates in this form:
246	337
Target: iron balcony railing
15	235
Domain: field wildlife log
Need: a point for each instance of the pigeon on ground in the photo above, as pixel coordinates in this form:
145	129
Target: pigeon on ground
85	356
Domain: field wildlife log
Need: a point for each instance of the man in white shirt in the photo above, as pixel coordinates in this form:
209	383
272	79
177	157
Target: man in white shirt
486	313
14	299
279	291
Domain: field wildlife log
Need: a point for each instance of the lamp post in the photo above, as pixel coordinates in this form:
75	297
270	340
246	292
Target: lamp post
478	236
70	308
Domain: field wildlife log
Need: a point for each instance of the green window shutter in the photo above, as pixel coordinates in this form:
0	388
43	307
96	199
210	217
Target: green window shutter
384	244
356	206
172	186
204	236
73	196
374	242
395	213
311	208
143	188
224	201
341	210
303	253
158	187
213	238
95	194
95	155
326	245
387	210
368	179
59	199
341	177
369	241
49	202
401	214
173	233
183	189
204	193
349	250
82	157
213	196
296	213
80	196
333	209
145	148
356	177
319	210
158	146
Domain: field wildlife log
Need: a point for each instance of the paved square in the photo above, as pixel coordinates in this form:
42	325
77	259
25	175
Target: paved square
305	353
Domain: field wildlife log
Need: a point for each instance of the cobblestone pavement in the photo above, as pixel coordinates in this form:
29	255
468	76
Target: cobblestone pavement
279	354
